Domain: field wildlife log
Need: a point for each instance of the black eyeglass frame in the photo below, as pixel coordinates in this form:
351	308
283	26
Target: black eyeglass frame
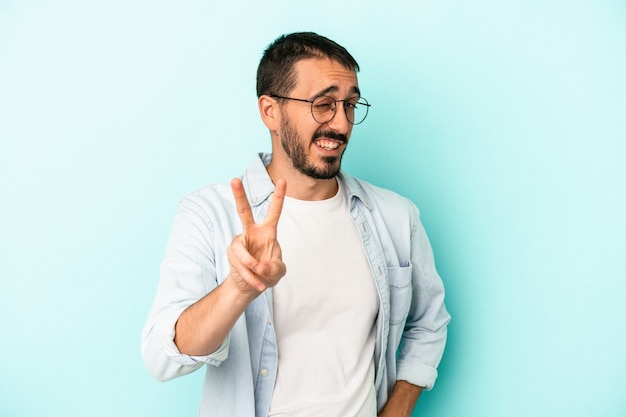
345	104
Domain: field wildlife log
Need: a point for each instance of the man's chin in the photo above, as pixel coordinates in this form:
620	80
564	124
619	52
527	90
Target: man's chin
326	172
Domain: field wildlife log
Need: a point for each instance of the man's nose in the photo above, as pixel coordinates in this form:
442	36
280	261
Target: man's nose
339	122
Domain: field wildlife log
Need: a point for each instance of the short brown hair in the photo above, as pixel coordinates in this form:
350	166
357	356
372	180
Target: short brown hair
276	74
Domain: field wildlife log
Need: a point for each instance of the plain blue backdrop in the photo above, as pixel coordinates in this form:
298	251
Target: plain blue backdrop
504	121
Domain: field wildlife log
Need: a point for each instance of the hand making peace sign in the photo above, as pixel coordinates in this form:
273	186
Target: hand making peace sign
255	257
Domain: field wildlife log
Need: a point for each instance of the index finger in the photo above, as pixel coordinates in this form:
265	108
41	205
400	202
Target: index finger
241	201
276	206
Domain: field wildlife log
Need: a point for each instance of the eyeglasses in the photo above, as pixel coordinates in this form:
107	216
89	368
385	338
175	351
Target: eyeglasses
324	108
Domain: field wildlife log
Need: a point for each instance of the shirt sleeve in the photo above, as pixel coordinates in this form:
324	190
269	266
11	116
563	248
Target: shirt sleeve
188	273
425	332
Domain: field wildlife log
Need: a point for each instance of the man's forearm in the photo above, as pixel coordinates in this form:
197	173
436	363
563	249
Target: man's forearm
202	328
402	400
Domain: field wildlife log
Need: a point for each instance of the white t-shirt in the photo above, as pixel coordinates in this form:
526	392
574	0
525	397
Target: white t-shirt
325	308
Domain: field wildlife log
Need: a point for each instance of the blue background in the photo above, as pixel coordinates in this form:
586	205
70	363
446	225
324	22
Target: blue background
503	121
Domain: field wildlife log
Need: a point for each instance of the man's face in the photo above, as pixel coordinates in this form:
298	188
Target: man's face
316	149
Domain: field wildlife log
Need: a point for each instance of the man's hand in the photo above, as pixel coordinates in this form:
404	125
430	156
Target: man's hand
254	255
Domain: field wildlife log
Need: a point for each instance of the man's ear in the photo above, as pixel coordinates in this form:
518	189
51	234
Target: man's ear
270	113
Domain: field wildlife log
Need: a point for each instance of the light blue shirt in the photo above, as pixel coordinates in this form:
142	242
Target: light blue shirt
240	376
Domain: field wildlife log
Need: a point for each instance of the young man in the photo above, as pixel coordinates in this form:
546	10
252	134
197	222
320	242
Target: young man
298	284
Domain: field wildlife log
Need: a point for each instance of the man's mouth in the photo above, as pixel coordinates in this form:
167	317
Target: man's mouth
329	141
327	145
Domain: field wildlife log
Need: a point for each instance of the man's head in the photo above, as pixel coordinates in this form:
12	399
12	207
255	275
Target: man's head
308	94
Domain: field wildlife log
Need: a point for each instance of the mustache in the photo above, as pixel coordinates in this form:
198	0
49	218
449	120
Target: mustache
329	134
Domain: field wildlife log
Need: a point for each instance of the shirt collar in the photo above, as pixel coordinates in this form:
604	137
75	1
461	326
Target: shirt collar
256	181
355	189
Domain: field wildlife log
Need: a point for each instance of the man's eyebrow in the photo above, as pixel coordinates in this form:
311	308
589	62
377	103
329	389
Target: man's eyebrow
325	91
334	88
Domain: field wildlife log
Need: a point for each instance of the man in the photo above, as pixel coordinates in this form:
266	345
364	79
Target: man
298	284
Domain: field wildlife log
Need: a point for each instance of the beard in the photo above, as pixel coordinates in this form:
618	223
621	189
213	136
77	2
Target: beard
297	152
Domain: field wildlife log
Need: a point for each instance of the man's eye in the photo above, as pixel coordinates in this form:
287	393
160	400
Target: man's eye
323	106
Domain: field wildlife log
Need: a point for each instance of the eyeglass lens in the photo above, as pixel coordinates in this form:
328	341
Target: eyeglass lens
324	108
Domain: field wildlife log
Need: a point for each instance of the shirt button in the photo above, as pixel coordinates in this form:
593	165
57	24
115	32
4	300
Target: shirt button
264	372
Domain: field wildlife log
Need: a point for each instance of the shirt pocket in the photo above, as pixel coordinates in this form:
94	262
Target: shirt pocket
399	293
